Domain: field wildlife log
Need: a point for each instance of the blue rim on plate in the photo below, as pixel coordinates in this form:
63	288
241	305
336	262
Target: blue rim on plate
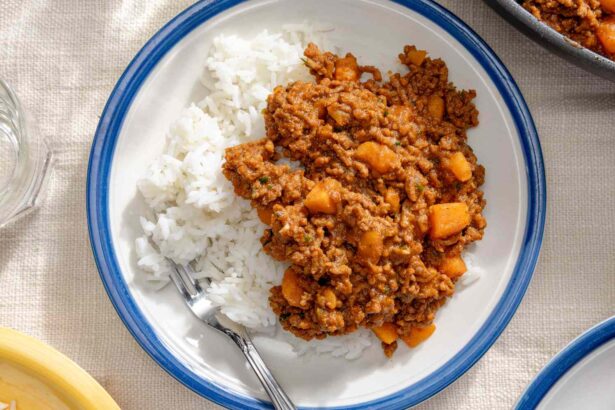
576	351
99	168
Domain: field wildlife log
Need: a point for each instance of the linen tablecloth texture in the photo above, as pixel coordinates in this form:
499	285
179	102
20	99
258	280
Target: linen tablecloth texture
64	57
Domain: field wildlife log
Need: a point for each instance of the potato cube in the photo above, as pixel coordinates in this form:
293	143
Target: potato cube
291	289
370	246
416	57
264	214
386	333
608	5
378	157
453	267
435	107
323	197
418	335
347	69
448	219
459	166
606	34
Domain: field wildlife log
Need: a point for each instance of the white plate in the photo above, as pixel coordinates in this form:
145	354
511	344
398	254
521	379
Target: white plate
163	79
582	376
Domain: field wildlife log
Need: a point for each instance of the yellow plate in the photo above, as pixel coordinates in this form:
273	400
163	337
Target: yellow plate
39	377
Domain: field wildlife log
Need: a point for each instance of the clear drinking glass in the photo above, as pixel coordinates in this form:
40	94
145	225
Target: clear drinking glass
25	158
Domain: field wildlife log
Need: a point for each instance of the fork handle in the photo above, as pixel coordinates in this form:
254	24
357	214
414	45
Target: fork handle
279	399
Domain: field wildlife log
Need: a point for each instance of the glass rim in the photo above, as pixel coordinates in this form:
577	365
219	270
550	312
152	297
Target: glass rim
18	194
14	103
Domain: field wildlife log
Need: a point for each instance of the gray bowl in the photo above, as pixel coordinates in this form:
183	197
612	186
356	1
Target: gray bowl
544	35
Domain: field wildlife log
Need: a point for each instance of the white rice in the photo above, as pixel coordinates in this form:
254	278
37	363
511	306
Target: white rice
472	275
197	215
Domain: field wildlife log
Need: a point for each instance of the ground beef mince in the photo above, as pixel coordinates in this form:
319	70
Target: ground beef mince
590	23
370	192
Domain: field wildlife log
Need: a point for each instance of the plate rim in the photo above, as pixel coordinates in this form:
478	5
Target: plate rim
575	351
100	162
54	369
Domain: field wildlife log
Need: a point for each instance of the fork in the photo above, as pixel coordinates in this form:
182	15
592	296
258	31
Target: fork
201	307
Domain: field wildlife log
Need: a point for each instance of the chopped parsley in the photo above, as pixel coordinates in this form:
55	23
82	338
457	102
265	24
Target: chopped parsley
420	188
269	186
385	113
263	180
307	238
397	143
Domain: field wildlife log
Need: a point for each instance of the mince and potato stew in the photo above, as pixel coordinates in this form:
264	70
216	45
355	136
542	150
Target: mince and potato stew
590	23
386	197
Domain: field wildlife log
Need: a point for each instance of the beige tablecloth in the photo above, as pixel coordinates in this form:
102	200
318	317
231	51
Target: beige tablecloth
64	57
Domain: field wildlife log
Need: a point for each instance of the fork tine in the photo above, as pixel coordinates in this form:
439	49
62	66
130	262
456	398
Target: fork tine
179	283
192	274
190	271
188	278
182	276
